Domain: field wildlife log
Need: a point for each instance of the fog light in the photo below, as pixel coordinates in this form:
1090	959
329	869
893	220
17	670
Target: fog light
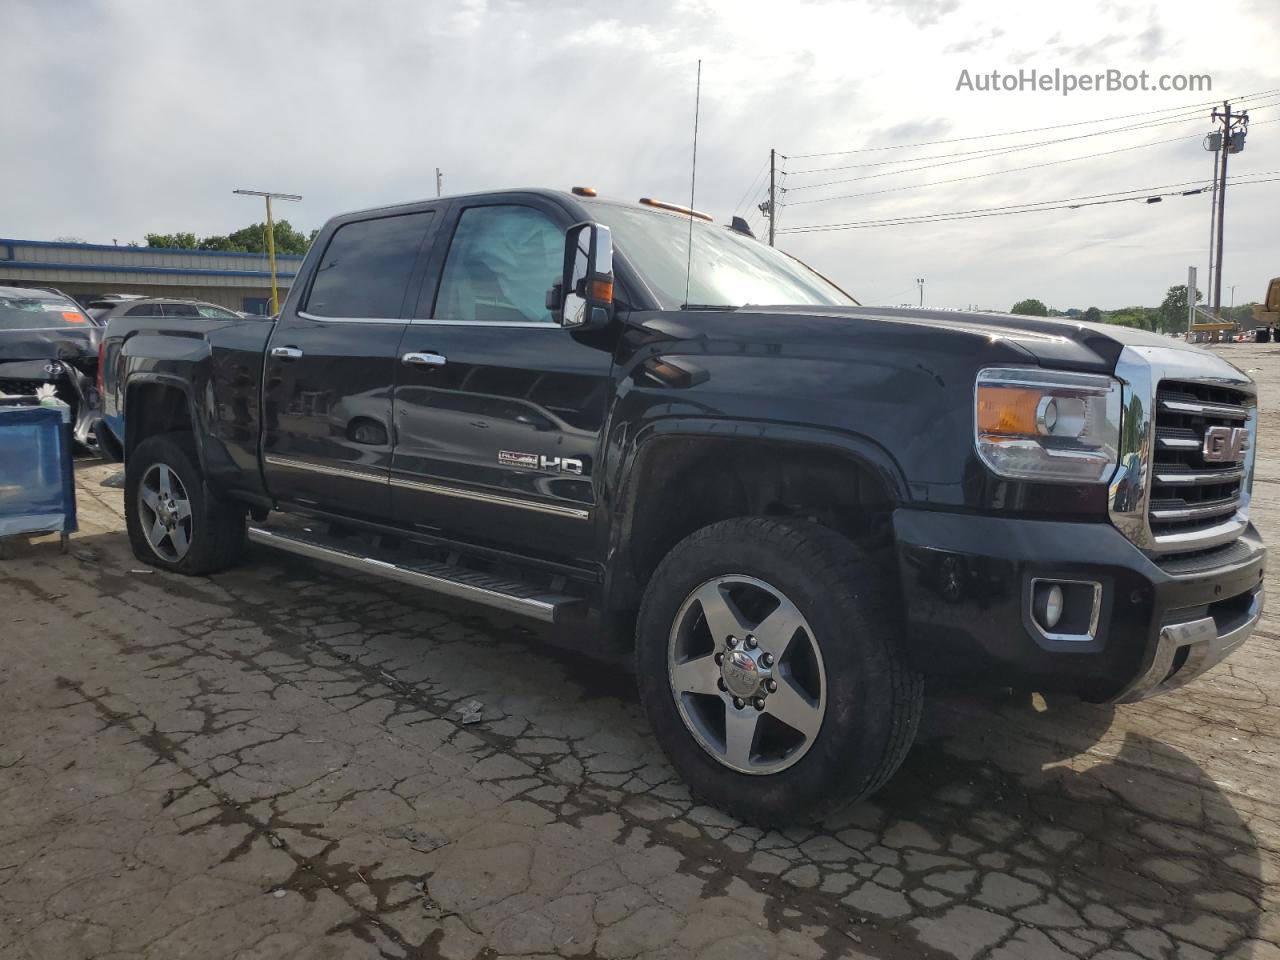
1066	609
1049	606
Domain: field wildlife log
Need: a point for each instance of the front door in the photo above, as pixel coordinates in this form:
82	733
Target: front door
498	410
331	364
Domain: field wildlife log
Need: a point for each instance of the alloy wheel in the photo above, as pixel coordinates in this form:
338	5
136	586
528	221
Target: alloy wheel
165	511
747	674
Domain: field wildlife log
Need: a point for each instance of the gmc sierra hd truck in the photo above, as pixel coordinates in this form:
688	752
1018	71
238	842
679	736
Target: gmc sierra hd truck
792	507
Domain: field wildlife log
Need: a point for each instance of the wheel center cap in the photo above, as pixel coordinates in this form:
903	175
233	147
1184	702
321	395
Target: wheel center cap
741	674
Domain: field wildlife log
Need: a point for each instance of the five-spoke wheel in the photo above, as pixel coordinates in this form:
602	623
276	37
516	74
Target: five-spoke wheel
747	674
165	510
175	520
769	661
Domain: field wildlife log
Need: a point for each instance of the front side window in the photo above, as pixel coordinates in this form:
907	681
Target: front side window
501	263
365	268
180	310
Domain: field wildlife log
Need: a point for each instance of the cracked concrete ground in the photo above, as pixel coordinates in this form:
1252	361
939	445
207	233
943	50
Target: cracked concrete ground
271	763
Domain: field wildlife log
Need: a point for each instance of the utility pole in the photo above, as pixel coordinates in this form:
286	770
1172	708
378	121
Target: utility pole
1234	128
1213	142
1191	301
773	199
271	237
439	180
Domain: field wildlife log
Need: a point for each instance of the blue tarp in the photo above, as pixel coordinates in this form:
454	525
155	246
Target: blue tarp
37	481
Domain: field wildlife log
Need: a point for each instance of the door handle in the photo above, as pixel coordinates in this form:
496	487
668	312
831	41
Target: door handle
424	360
286	353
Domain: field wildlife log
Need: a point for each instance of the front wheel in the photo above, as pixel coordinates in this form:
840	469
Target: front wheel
174	520
768	662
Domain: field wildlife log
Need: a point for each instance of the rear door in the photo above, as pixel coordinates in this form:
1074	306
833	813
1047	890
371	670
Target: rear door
498	410
331	363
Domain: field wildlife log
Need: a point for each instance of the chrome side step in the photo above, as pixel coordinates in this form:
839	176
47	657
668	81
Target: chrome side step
442	578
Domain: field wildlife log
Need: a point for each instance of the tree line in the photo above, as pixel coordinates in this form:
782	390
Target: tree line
250	239
1170	316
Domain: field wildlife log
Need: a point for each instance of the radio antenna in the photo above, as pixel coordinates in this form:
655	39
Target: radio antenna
693	181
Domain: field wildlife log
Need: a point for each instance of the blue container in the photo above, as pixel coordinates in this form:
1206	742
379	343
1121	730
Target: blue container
37	479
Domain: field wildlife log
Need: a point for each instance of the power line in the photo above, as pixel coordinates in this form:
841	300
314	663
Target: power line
1071	203
1011	133
989	173
763	167
996	151
993	173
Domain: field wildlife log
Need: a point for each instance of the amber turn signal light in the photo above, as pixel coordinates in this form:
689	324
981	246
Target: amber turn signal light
1007	410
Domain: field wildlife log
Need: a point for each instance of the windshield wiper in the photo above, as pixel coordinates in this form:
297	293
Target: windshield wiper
707	306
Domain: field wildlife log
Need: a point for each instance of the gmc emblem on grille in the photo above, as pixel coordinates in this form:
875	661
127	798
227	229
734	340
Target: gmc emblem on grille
1225	444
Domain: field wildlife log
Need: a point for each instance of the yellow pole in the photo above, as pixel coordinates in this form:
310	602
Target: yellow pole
271	256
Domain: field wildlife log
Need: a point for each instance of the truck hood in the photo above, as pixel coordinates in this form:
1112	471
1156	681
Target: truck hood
1057	343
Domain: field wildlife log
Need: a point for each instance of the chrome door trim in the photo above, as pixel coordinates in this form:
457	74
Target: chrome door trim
555	509
420	321
428	322
277	461
310	316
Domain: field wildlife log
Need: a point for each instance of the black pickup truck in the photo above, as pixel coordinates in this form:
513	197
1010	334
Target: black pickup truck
793	508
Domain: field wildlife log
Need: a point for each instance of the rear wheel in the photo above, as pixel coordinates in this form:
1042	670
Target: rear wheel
174	520
768	663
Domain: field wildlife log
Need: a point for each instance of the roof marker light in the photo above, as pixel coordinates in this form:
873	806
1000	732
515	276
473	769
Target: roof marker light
675	208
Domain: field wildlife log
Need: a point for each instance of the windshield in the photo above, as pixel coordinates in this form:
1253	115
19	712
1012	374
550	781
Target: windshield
38	310
729	269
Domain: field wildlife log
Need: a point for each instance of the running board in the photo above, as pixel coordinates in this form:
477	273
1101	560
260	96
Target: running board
446	579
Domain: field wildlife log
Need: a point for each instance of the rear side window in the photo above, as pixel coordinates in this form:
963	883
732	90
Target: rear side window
144	310
365	268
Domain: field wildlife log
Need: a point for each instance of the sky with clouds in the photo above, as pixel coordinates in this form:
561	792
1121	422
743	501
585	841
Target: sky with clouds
137	116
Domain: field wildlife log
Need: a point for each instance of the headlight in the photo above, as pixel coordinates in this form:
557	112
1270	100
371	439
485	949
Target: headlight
1032	424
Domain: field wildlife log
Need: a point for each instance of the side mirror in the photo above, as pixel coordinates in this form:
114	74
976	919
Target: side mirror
586	286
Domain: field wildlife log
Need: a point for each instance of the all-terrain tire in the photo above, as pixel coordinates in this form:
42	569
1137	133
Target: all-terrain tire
850	601
217	525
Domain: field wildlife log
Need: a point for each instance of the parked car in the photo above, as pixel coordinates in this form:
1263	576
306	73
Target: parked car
48	338
105	309
789	514
97	306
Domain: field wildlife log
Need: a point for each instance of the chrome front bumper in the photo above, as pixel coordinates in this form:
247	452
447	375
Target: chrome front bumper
1186	649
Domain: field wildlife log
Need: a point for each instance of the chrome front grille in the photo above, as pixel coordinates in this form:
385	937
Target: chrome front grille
1189	493
1168	497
